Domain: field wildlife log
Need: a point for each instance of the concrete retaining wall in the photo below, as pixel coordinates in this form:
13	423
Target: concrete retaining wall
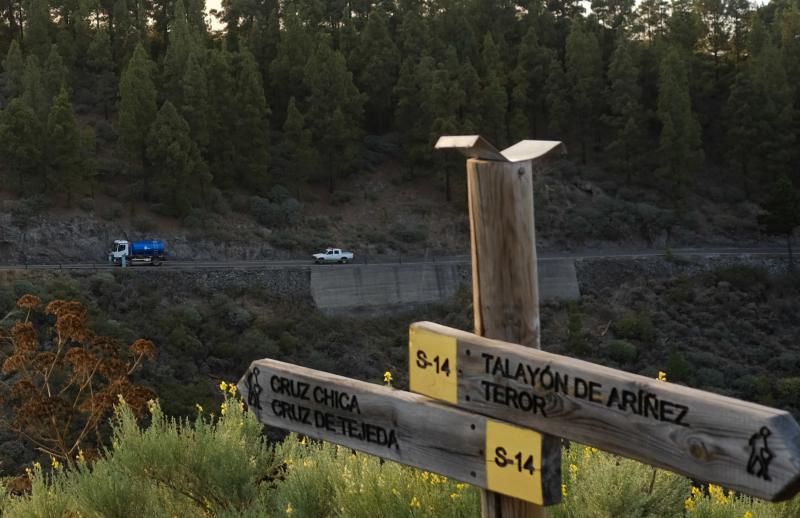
363	286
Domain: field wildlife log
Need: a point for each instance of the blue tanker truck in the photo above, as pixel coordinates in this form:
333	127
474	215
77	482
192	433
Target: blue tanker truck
150	252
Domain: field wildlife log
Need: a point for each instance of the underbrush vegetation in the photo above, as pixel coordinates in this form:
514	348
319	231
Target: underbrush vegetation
220	465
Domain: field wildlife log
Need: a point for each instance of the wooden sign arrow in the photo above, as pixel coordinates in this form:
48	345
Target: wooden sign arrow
736	444
407	428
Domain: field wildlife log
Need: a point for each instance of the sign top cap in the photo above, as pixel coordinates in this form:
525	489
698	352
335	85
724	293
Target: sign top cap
475	146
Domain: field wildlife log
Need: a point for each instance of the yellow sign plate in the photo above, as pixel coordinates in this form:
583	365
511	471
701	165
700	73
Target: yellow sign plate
514	461
432	365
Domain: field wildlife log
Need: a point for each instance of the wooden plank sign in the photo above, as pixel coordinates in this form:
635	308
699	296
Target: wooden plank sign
739	445
407	428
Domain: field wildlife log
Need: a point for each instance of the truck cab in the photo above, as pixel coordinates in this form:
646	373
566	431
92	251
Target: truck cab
120	249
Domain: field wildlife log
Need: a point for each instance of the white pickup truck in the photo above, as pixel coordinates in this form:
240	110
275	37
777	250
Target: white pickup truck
333	255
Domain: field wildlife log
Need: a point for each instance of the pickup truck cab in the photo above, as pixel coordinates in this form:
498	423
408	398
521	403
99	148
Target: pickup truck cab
333	255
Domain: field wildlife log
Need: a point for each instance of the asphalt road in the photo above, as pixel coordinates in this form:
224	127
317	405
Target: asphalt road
180	264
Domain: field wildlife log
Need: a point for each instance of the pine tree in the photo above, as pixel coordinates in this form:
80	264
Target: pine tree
775	114
493	98
446	102
412	117
783	211
652	15
679	149
34	92
37	33
21	142
137	106
296	151
613	14
55	75
685	26
195	102
742	113
180	176
334	110
528	79
101	65
252	126
558	104
264	39
123	33
221	118
738	12
196	18
14	67
584	73
67	169
287	70
413	34
377	63
180	47
626	117
470	115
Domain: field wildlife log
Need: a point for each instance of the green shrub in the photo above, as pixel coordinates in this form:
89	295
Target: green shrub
709	377
86	204
681	292
637	326
143	223
342	197
742	277
622	351
599	484
318	223
209	466
789	390
677	367
576	336
409	234
197	467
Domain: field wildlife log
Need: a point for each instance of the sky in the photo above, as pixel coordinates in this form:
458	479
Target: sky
213	4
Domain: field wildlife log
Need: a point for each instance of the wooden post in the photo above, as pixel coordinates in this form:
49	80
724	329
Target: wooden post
505	289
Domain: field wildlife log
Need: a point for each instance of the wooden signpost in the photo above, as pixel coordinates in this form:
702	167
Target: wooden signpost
505	290
503	406
408	428
739	445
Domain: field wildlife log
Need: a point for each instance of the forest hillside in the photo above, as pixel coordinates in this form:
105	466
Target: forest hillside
312	115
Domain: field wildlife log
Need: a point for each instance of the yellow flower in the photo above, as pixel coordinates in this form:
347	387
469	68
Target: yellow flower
718	494
387	378
748	514
199	408
573	471
461	487
415	503
454	496
79	457
689	504
662	376
564	490
289	509
223	386
55	463
223	408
